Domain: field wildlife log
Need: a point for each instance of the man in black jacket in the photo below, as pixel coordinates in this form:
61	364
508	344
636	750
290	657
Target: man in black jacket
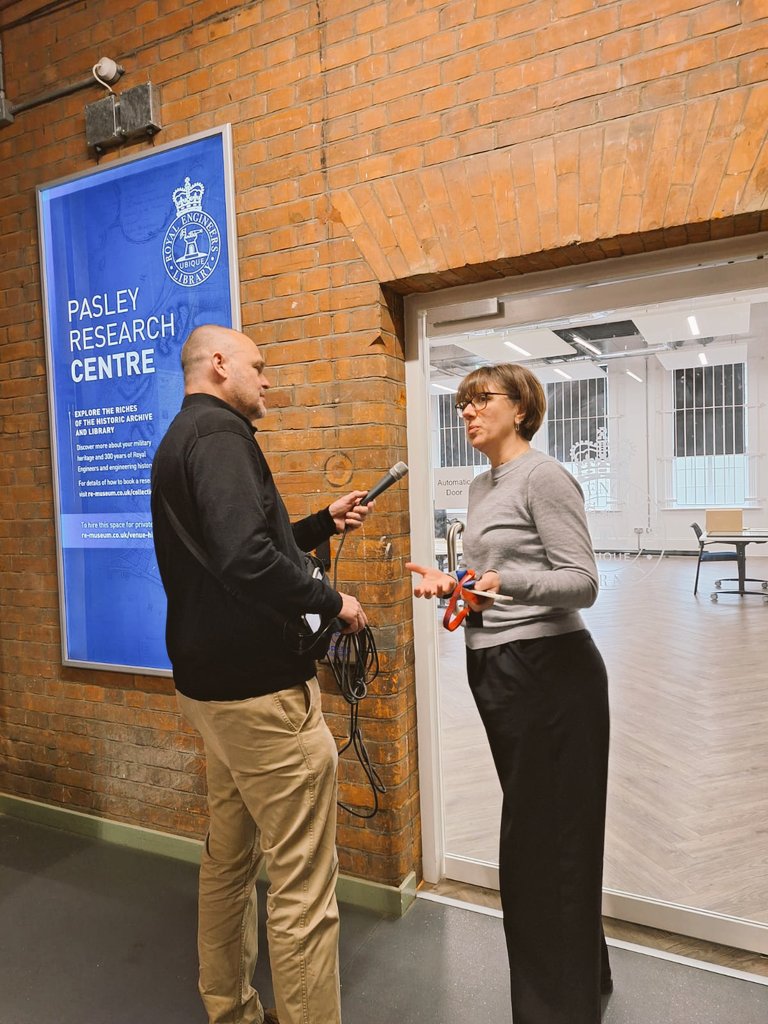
237	582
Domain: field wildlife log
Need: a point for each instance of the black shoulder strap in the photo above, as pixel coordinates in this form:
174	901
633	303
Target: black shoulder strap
186	537
193	547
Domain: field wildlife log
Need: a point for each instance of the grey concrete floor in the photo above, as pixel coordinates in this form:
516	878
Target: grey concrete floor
93	933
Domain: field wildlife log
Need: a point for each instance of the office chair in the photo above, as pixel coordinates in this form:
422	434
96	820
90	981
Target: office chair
711	556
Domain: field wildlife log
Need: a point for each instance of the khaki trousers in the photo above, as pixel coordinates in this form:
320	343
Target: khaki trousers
271	768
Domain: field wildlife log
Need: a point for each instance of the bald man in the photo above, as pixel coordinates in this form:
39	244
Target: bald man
236	580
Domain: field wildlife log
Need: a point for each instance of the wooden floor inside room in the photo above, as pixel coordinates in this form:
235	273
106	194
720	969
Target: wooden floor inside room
688	786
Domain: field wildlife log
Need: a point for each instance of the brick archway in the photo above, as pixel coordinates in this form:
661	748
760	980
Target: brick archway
668	176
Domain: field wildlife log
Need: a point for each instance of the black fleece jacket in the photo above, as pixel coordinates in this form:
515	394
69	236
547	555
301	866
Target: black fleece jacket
226	633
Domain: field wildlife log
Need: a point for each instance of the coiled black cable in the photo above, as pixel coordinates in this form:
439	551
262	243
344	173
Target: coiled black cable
354	661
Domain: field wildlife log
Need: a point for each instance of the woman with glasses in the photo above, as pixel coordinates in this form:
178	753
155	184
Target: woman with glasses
540	686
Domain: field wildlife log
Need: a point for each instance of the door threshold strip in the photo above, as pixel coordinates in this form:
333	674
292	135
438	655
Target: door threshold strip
660	954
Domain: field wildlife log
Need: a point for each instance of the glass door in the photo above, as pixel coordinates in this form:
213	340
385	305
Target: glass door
656	391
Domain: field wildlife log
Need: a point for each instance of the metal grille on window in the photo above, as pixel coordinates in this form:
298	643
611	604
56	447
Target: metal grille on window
577	436
453	447
577	419
710	464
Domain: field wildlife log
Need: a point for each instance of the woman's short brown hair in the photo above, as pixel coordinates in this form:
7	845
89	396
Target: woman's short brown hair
517	383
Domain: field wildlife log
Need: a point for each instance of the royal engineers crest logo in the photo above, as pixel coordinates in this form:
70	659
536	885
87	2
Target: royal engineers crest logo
192	244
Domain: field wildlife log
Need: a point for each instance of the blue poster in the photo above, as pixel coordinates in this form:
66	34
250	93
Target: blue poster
134	256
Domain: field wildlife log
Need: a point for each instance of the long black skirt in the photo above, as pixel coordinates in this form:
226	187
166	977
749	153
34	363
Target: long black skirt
544	705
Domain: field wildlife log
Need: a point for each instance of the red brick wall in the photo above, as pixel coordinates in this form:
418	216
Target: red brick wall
414	143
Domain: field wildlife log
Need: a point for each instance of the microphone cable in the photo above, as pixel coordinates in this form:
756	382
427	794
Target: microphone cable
354	662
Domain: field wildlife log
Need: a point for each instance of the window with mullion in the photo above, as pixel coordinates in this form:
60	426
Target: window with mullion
576	411
710	456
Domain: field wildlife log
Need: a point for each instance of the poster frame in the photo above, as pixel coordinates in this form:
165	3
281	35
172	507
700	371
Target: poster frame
224	131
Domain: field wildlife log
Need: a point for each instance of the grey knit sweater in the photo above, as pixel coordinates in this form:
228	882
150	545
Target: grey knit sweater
526	519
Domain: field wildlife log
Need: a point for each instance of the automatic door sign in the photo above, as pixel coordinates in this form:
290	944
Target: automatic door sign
451	486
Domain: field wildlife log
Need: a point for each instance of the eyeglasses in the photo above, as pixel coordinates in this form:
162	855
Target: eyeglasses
478	401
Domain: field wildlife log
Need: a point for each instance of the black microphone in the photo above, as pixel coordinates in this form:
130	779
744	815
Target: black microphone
397	472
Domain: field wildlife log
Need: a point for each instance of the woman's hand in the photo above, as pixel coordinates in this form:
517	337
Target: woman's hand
347	512
489	583
434	583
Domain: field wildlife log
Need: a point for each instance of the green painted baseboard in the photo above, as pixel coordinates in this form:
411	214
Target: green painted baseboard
133	836
391	900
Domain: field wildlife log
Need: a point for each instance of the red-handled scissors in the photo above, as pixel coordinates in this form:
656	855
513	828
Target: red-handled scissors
453	618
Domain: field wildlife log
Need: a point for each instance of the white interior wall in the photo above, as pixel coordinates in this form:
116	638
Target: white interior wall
640	422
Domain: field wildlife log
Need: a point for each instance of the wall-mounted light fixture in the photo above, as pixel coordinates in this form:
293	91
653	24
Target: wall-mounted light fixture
108	122
107	71
118	119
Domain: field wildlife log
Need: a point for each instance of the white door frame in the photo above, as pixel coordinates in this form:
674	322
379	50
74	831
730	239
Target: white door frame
424	626
710	267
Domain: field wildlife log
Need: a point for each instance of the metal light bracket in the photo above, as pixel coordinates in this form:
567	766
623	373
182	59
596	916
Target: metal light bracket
117	119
